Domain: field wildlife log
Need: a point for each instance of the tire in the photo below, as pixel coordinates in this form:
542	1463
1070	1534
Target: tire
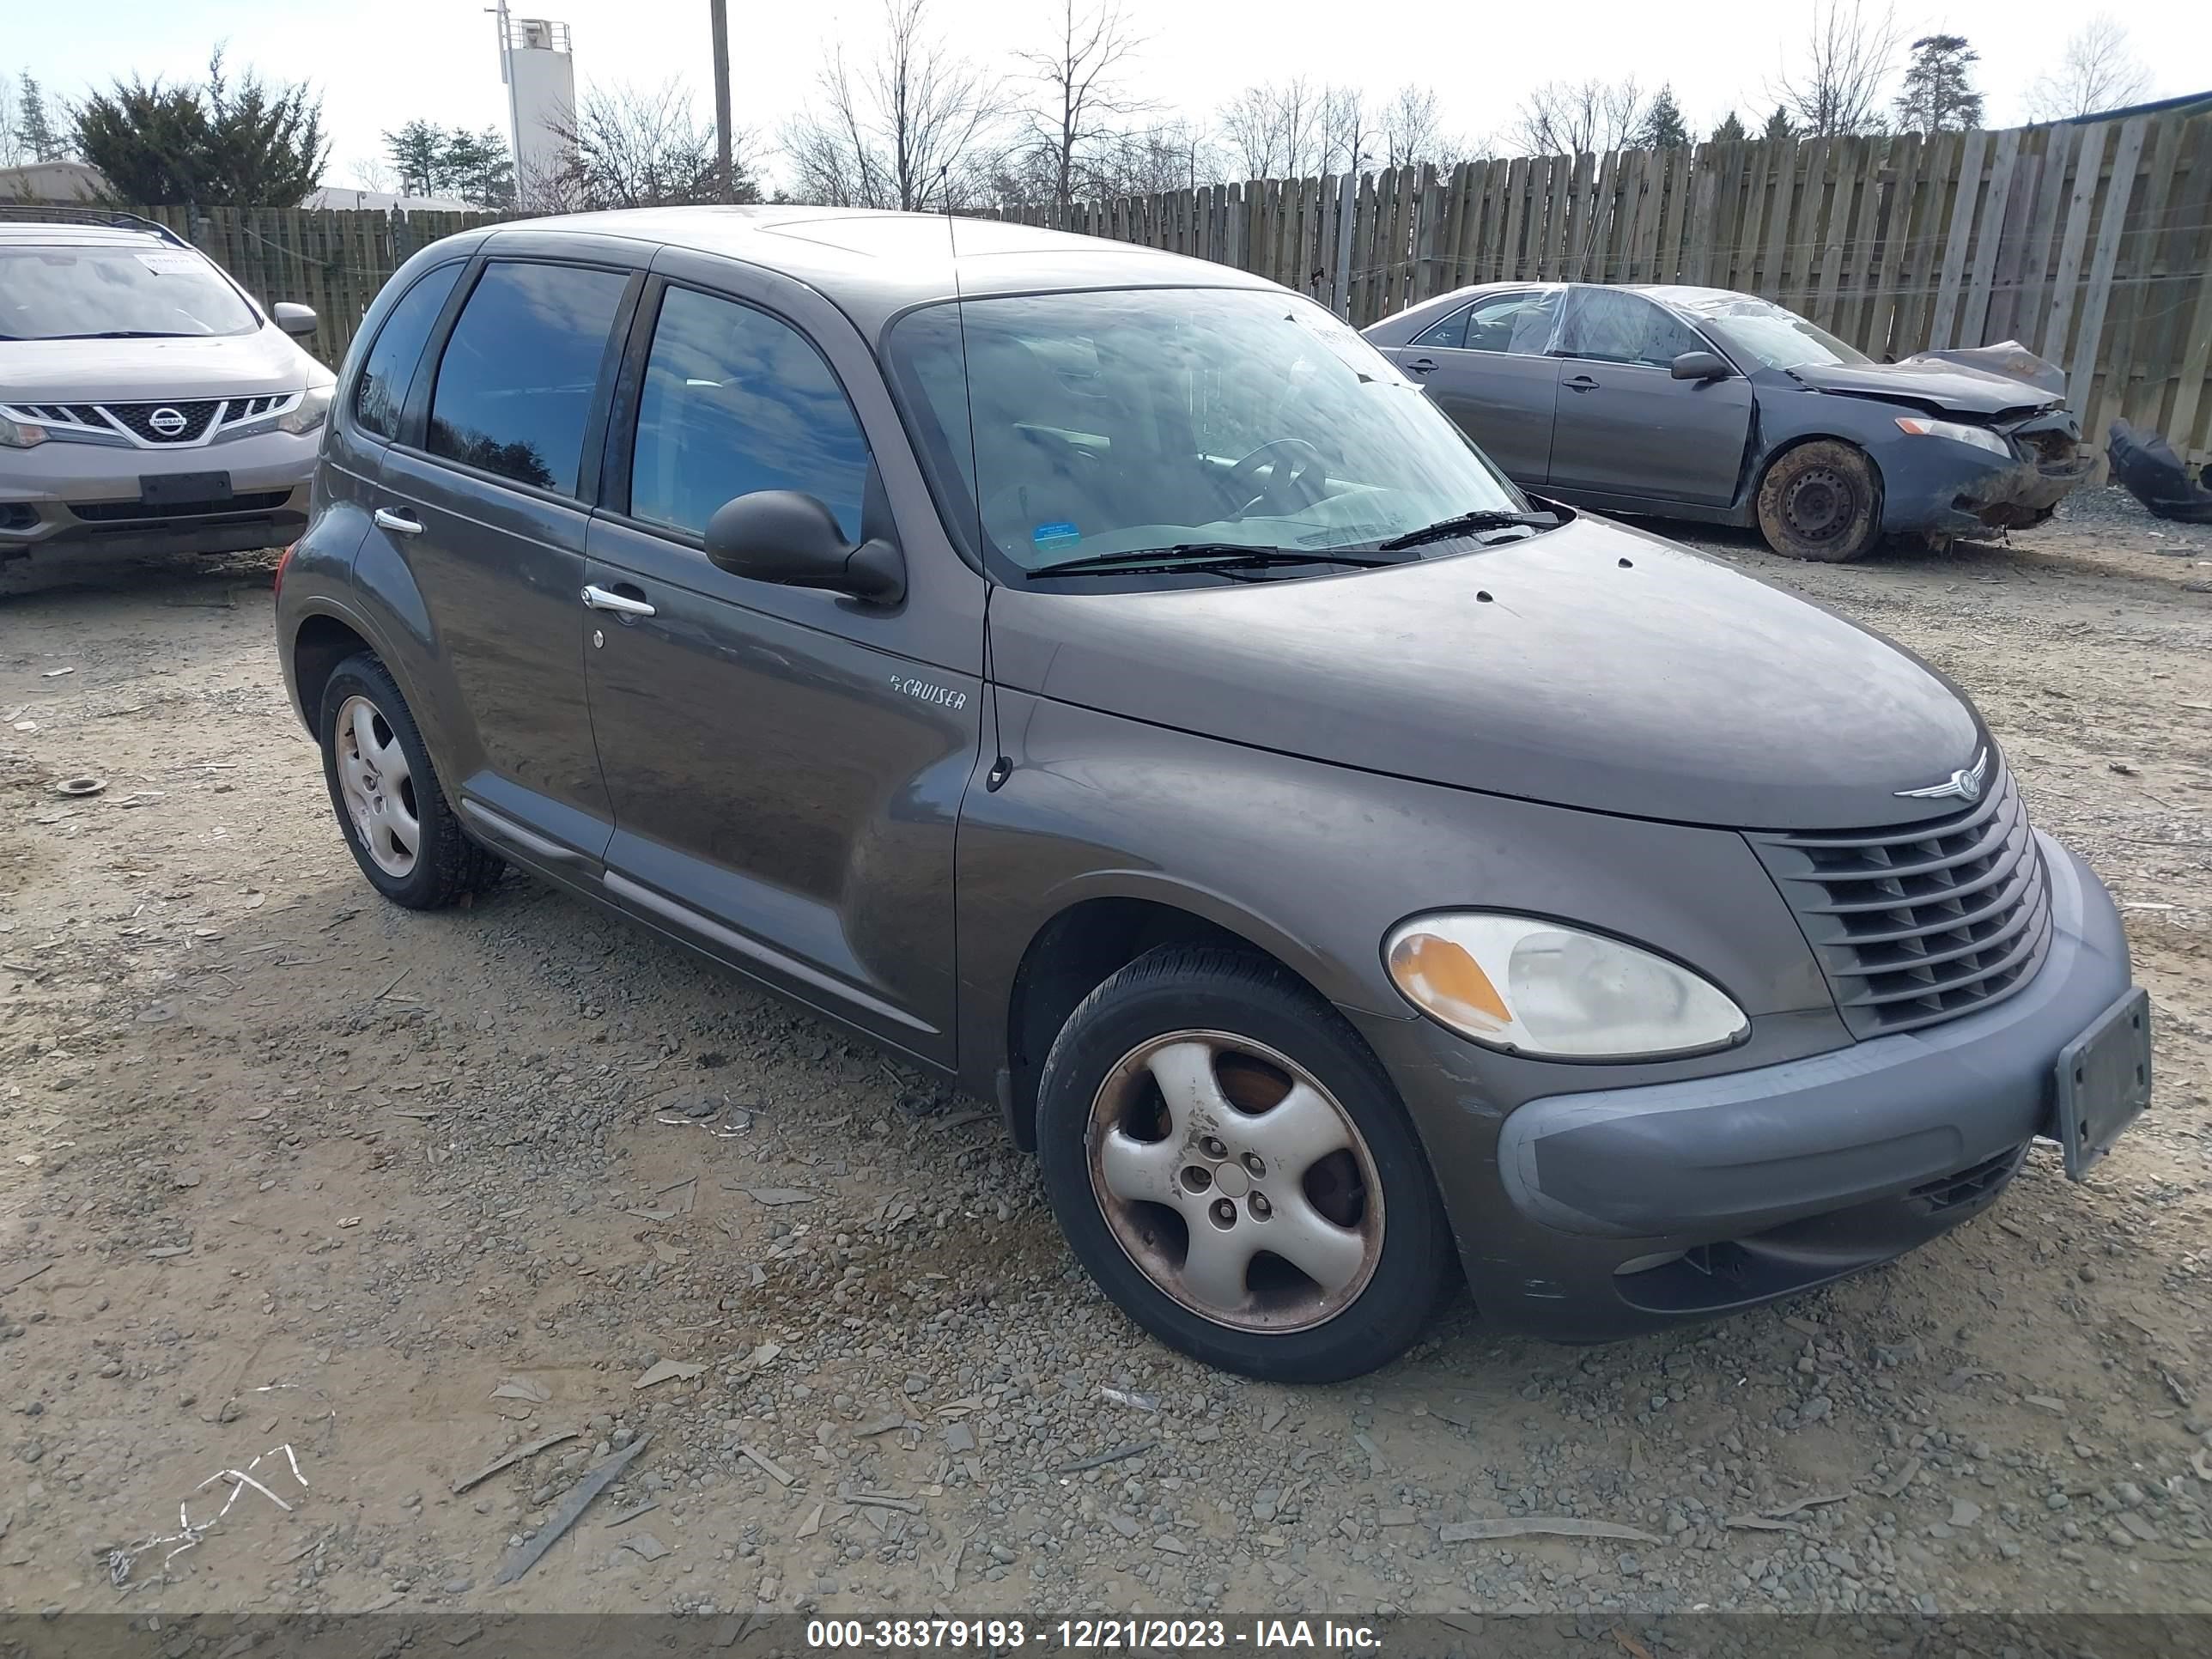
1271	1076
387	794
1821	502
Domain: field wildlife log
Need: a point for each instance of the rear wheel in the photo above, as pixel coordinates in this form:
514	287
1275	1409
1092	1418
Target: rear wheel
1821	502
402	832
1234	1168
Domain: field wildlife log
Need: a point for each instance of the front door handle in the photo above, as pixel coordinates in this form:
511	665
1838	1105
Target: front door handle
1580	383
398	523
621	605
1422	366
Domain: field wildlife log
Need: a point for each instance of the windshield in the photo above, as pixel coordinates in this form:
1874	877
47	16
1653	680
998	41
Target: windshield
1111	422
69	293
1778	338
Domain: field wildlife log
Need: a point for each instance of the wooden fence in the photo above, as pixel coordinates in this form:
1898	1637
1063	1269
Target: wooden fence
334	259
2089	244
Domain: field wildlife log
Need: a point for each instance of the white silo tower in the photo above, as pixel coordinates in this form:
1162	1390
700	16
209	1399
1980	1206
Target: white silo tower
535	62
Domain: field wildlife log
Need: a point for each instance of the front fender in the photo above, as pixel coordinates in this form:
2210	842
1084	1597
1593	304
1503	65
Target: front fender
1316	863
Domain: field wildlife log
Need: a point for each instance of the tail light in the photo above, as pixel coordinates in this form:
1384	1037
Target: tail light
276	587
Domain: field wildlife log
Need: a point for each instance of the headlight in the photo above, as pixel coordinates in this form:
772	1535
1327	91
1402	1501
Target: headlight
21	435
1979	436
314	407
1536	988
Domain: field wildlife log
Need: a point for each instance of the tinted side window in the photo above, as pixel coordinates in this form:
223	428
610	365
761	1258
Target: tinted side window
382	392
514	388
1613	327
1450	334
735	401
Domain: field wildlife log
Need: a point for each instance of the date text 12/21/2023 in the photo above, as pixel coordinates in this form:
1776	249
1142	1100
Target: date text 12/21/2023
1126	1635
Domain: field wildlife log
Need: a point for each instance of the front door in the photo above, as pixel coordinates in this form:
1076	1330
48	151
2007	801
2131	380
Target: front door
787	766
485	508
1625	426
1484	366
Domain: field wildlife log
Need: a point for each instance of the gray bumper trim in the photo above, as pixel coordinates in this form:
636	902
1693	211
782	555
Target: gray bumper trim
1720	1157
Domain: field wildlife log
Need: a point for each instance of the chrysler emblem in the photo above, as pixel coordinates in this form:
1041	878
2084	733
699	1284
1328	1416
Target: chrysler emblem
166	420
1966	783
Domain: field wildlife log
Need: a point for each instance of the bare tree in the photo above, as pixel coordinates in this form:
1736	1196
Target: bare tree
625	146
1082	97
1412	129
2099	70
1276	131
14	152
1352	139
373	173
1843	73
915	128
1573	117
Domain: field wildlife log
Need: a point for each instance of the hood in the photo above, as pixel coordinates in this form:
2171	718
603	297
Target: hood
120	371
1668	686
1944	388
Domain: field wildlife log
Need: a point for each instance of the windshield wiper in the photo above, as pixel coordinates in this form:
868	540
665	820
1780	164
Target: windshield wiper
1462	524
125	334
1196	555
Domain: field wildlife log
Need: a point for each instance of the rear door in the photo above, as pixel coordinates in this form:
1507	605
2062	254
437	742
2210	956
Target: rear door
1625	426
484	499
1484	366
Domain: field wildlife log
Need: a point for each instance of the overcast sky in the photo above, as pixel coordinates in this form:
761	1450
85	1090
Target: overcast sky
378	62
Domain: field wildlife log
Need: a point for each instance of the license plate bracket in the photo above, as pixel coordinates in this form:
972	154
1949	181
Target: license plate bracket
183	489
2104	1082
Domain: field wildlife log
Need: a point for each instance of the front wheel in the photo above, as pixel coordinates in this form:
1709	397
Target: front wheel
1234	1168
1820	501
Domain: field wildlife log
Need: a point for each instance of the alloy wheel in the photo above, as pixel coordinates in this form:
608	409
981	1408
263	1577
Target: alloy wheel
1235	1182
378	787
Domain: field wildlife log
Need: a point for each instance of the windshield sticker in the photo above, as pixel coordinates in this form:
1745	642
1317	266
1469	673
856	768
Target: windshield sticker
1050	536
171	264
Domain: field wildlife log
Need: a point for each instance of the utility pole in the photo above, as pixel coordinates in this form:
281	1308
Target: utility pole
720	11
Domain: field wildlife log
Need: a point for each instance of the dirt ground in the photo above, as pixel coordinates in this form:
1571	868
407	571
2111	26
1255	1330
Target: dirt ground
284	1166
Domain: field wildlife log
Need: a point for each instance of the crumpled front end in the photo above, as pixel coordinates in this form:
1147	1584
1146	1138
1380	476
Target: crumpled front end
1961	491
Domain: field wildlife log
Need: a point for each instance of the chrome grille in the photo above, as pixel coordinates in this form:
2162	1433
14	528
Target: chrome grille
1916	923
197	415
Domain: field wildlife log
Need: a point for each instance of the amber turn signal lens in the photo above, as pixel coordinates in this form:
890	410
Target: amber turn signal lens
1442	977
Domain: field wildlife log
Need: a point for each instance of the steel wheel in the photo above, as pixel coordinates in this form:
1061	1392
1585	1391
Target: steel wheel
1818	505
378	787
1235	1182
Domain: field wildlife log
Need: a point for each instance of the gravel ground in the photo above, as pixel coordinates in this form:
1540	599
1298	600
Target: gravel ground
282	1166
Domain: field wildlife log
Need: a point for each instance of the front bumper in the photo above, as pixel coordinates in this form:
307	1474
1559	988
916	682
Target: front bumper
1934	486
1599	1213
64	498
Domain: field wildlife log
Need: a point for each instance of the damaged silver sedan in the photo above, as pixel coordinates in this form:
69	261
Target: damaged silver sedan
1697	403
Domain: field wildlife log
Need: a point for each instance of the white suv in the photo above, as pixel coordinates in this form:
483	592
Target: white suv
148	404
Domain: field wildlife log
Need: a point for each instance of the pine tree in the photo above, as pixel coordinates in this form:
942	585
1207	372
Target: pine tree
1730	131
1779	125
1937	97
35	128
1662	127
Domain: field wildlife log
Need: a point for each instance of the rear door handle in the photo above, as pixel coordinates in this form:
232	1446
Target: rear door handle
1580	383
1422	366
398	523
601	598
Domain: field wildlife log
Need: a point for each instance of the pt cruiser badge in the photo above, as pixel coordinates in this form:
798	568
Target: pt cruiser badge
1966	783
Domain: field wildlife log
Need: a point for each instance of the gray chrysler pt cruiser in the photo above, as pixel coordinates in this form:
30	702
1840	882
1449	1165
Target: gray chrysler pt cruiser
1103	678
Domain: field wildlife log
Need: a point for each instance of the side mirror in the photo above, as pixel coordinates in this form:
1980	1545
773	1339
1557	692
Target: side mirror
784	536
1701	366
293	319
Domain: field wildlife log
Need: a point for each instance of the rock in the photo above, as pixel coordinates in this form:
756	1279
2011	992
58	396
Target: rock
1965	1513
2044	1402
959	1438
1168	1543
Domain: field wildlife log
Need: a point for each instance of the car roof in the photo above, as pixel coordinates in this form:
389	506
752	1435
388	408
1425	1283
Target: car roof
874	264
55	234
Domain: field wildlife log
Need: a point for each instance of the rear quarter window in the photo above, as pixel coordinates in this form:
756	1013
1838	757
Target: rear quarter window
381	393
